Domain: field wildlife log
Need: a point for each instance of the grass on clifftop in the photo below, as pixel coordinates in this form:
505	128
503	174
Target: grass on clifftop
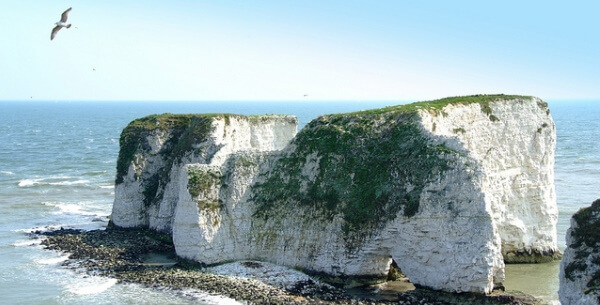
437	105
372	164
180	133
183	131
133	137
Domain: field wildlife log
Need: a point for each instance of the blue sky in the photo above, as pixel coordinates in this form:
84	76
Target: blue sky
284	50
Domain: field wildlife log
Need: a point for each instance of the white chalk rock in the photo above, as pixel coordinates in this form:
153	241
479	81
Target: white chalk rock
447	189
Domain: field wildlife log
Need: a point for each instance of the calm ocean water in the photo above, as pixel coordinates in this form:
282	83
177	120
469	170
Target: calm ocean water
57	168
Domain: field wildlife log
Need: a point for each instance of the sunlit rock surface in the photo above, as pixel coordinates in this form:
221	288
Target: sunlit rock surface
448	189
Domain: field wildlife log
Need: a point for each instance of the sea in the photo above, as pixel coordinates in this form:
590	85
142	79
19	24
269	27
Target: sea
58	166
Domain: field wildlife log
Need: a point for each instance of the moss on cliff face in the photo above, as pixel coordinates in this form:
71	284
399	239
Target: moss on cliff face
181	133
133	137
368	167
202	181
586	243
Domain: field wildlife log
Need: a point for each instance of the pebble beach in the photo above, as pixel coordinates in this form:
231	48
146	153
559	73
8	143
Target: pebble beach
123	254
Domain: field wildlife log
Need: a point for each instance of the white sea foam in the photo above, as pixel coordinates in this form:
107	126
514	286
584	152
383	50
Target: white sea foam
91	285
28	242
107	186
31	230
72	208
53	181
7	173
81	181
28	182
44	228
52	260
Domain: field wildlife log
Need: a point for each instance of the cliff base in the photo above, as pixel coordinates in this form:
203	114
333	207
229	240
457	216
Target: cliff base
119	253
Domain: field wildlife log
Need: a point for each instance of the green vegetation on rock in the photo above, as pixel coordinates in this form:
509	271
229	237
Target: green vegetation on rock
437	105
201	181
371	165
182	134
182	131
586	237
133	137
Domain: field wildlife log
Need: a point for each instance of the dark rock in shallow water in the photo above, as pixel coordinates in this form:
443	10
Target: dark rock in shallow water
61	231
532	256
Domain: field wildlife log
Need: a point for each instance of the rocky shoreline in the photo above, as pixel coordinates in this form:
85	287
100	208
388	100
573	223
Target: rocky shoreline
119	253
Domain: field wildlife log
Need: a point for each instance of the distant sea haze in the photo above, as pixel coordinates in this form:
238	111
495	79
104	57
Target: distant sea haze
58	165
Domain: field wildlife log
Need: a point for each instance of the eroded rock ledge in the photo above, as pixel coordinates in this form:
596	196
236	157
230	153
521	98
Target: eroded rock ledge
119	253
448	189
580	267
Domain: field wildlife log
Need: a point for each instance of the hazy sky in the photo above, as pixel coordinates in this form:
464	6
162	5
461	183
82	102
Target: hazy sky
282	50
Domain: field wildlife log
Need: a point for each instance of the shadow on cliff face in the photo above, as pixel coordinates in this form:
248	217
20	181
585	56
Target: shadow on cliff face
365	172
353	166
357	175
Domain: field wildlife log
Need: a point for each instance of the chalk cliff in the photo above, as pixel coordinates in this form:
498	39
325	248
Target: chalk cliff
580	266
155	151
448	189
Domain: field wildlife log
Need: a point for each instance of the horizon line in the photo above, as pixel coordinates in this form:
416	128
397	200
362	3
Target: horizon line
268	100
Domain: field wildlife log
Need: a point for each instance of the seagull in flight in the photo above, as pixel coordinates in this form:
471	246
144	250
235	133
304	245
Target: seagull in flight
62	23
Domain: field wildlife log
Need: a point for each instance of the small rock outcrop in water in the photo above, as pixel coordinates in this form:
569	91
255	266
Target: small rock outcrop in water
448	189
580	266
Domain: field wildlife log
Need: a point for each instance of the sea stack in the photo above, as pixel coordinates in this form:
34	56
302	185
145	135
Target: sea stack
448	189
580	266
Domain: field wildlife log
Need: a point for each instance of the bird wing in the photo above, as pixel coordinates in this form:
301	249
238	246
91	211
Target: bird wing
65	15
54	31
